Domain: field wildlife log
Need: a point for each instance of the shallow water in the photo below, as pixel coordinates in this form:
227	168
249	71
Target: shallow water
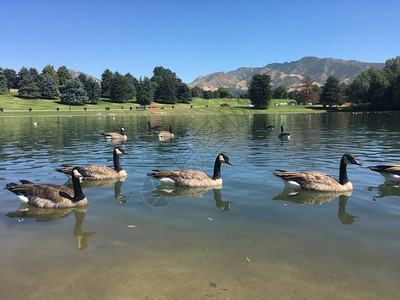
250	239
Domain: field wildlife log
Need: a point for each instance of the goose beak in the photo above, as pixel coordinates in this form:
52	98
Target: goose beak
356	162
229	163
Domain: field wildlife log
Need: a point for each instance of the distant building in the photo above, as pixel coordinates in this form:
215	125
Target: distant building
13	90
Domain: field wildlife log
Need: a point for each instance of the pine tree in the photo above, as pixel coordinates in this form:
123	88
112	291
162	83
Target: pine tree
48	87
106	81
73	92
260	92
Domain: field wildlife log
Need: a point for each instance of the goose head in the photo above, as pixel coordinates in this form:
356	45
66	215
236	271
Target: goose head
120	151
224	159
349	159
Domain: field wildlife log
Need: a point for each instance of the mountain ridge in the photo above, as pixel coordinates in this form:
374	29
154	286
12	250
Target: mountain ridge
288	74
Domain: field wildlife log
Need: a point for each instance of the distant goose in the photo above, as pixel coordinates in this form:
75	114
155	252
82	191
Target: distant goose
165	134
51	195
153	127
101	172
116	135
269	127
284	135
315	181
192	178
391	172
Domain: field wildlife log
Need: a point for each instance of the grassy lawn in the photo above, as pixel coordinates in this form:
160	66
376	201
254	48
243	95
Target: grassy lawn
15	106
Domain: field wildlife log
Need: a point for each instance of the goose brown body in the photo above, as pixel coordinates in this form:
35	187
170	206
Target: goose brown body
316	181
193	178
116	135
101	172
165	134
51	195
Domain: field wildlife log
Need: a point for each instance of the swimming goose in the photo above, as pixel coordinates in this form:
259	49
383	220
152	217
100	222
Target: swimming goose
101	172
269	127
192	178
391	172
153	127
165	134
315	181
284	135
51	195
116	135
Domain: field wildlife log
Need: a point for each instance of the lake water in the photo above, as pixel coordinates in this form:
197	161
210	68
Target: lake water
249	240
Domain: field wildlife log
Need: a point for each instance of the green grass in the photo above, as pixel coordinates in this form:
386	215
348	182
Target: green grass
16	106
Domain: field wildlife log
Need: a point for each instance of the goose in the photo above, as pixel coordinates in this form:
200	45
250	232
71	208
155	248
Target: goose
165	134
153	127
391	172
316	181
284	135
101	172
269	127
52	195
193	178
116	135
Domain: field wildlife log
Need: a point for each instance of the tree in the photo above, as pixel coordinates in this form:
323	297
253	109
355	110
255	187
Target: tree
49	69
358	89
29	87
121	90
21	74
106	81
260	92
166	91
11	78
82	78
145	91
48	87
63	75
207	94
331	93
293	94
306	92
197	92
183	93
377	88
73	92
132	83
3	83
280	92
93	91
223	93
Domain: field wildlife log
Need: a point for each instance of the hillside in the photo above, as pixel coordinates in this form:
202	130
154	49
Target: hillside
75	73
288	74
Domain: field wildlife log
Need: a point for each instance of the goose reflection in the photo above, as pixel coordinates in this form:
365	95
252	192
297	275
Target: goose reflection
92	184
304	197
167	191
26	211
386	189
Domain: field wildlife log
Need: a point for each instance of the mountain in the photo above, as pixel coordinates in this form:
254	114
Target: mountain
75	73
288	74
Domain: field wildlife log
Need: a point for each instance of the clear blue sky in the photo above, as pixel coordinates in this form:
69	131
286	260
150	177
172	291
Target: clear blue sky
193	38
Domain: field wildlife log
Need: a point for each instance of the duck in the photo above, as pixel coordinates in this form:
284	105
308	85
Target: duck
101	172
192	178
269	127
284	135
316	181
165	134
116	135
391	172
52	195
153	127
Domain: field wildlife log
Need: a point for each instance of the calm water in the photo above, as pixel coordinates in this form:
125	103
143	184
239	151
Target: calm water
249	240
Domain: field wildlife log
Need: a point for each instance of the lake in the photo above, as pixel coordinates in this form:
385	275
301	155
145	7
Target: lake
252	239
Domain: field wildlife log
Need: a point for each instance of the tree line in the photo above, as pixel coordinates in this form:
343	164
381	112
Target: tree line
377	89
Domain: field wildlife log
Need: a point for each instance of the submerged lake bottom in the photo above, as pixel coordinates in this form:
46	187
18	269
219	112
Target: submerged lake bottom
249	239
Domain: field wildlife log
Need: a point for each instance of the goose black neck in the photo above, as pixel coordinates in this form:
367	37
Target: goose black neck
282	128
117	166
343	172
217	169
170	129
78	194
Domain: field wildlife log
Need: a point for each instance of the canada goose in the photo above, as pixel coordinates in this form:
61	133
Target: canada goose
101	172
116	135
269	127
165	134
51	195
391	172
315	181
284	135
192	178
153	127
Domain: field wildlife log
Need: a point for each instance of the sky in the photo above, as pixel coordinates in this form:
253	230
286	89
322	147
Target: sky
193	38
